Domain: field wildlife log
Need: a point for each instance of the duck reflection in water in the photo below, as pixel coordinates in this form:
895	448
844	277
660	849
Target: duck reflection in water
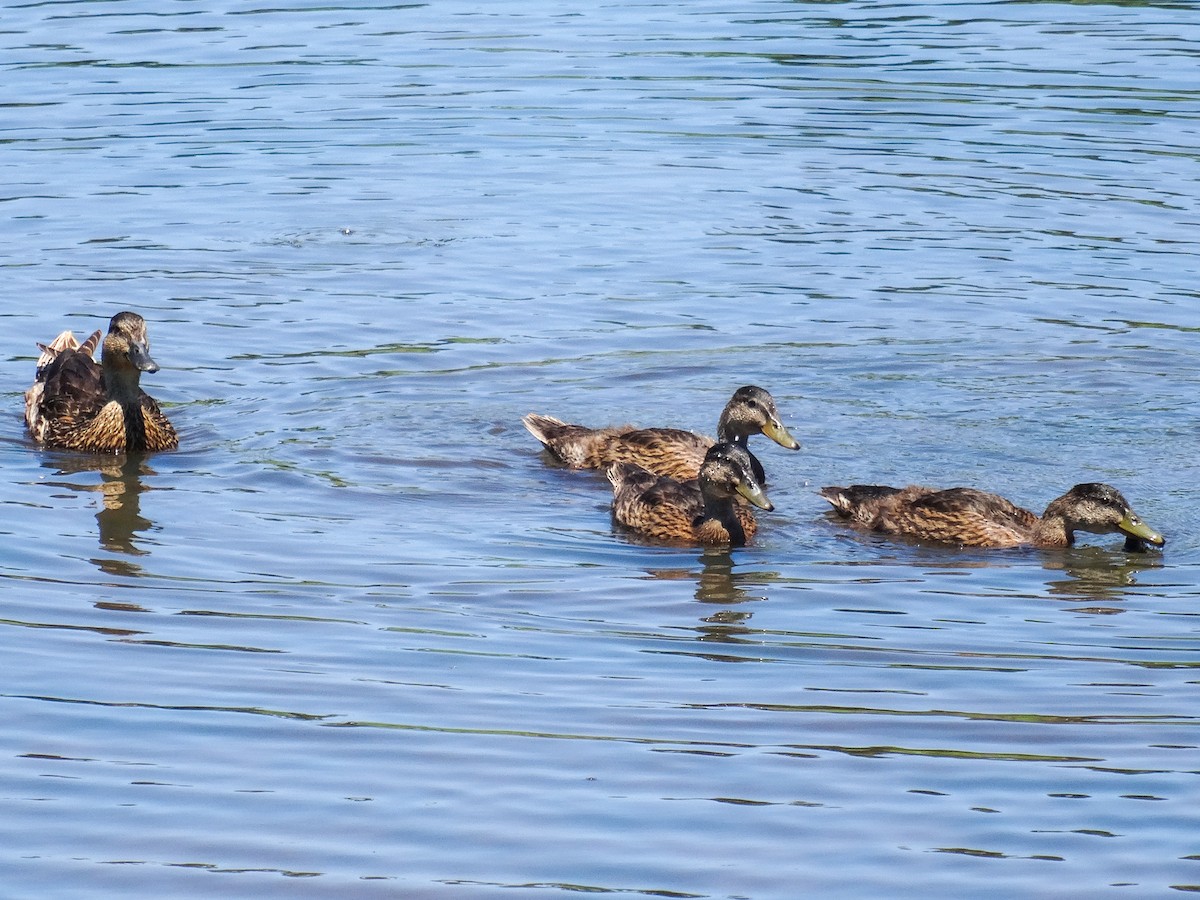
1096	573
717	583
119	517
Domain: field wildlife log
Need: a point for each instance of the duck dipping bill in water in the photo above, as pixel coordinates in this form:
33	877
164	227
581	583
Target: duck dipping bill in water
705	510
664	451
973	518
75	404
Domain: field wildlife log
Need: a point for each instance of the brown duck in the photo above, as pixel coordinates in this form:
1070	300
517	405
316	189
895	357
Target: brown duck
664	451
972	518
704	510
75	404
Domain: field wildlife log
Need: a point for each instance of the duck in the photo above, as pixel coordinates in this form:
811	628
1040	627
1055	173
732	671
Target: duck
973	518
77	404
705	510
672	452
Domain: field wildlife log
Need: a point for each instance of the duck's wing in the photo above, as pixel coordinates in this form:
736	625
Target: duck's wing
158	432
68	388
975	502
848	501
577	446
655	506
671	452
966	516
664	451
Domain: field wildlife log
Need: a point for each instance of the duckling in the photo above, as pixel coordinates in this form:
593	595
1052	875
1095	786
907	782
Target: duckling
75	404
704	510
973	518
664	451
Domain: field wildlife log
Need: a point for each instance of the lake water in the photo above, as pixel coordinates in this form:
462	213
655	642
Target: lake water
359	638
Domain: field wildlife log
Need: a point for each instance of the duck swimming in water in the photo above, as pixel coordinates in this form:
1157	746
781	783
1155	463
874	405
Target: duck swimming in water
705	510
75	404
664	451
973	518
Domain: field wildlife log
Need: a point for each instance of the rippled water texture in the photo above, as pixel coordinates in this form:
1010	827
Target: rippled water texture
360	637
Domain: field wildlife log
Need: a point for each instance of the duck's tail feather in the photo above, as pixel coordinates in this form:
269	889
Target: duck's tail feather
845	500
544	428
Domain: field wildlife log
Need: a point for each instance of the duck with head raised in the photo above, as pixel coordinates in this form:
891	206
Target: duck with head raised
972	518
705	510
75	404
664	451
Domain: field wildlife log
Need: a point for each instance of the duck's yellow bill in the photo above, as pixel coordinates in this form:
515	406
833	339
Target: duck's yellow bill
754	494
776	432
1134	527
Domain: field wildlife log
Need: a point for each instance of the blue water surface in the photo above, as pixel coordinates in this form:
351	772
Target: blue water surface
358	636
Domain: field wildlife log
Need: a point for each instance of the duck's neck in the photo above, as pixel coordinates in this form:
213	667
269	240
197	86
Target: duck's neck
725	435
123	386
135	427
727	431
719	511
1052	531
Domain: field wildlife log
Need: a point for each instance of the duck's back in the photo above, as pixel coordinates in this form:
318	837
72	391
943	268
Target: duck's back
68	389
663	451
672	452
969	517
657	507
960	515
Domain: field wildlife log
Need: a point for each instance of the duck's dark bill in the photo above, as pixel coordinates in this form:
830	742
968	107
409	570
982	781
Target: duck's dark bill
1137	544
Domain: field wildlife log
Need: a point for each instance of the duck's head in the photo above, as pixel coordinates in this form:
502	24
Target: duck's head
727	471
1100	508
751	410
126	351
126	345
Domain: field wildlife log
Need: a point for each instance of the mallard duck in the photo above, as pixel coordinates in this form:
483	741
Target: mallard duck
664	451
75	404
704	510
972	518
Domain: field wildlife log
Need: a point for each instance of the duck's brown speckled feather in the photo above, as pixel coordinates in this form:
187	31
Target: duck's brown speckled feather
64	370
672	511
704	510
69	405
972	518
963	516
665	451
